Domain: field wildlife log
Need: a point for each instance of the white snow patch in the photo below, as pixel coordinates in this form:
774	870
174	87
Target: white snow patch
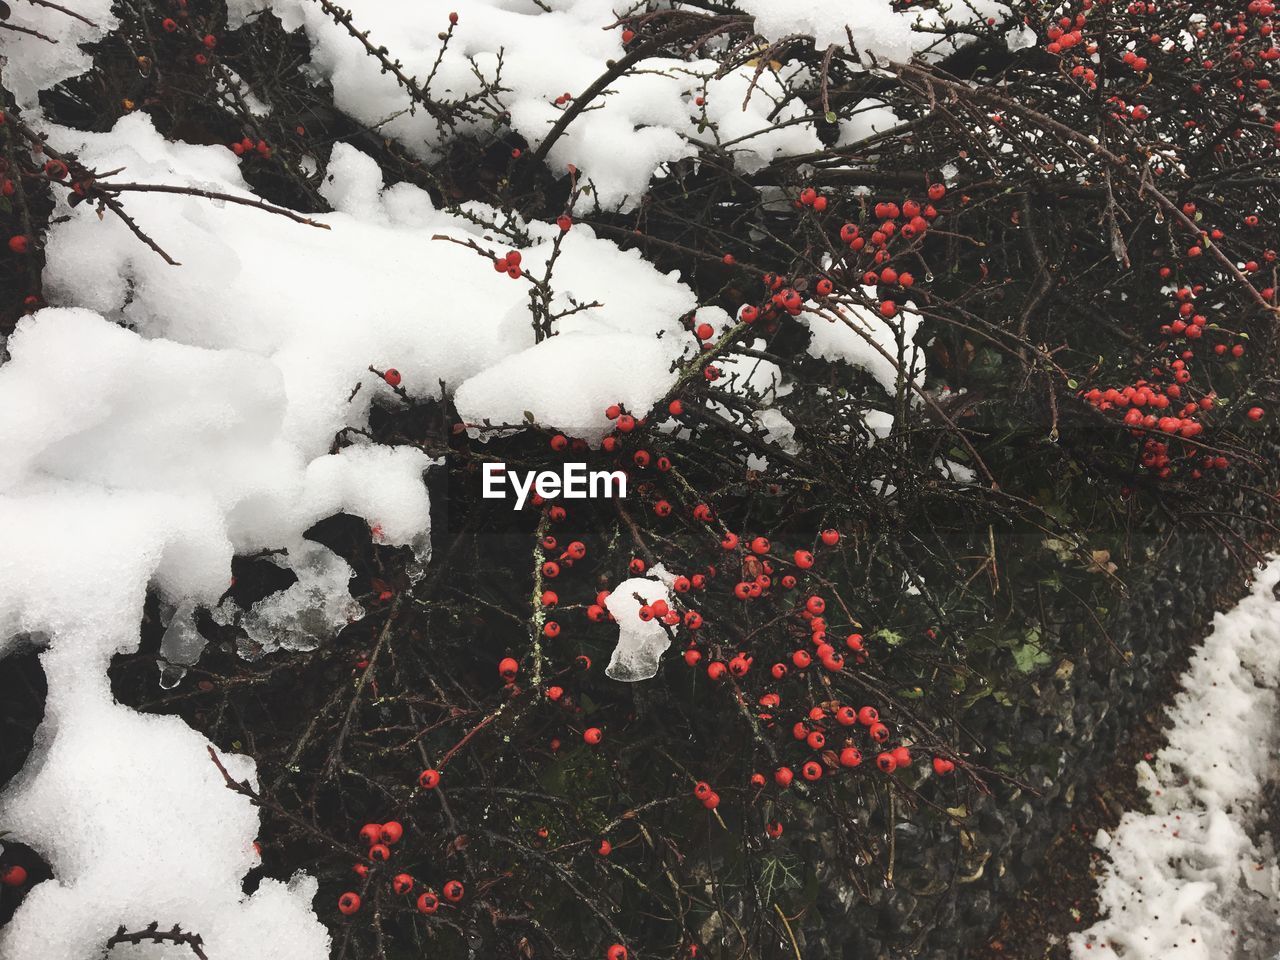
875	27
33	63
861	337
641	643
1174	875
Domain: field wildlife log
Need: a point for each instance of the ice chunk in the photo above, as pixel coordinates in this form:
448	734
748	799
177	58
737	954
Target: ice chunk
304	614
181	645
640	643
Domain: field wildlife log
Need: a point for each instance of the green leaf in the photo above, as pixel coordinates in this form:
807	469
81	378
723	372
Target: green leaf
888	636
1029	656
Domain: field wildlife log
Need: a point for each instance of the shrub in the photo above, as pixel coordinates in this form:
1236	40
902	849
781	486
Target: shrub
959	372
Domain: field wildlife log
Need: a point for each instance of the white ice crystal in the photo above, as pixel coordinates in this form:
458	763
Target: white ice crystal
305	613
641	643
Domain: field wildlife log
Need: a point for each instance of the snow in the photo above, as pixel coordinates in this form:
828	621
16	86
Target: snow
862	338
186	416
876	28
32	64
1174	877
540	52
641	643
872	116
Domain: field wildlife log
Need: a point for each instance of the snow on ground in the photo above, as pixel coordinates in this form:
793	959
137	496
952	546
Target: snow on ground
1184	880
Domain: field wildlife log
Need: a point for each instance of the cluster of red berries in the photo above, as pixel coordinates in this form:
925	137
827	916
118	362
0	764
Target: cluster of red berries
509	264
767	571
907	221
208	41
381	837
247	147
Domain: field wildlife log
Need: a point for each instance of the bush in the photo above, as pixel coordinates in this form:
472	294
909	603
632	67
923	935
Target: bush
963	374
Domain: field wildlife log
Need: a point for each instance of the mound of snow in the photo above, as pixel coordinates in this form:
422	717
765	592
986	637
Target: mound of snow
1174	876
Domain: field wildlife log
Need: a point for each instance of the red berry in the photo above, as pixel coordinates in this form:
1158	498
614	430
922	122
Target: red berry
169	24
349	903
592	735
402	883
429	779
380	852
14	876
508	668
803	559
783	776
428	903
812	770
616	952
392	376
392	831
453	891
942	766
1255	413
371	833
19	244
